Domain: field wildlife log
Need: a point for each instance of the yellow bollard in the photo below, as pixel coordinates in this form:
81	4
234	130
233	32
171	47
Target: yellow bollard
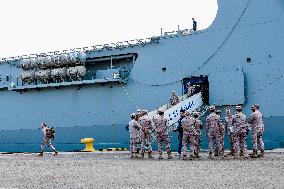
89	144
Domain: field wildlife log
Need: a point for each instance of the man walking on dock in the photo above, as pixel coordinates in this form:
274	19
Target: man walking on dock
48	135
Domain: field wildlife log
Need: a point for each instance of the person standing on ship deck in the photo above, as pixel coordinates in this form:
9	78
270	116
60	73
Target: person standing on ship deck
194	25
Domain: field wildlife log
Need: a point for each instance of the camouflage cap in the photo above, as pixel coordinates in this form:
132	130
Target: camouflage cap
212	108
238	107
256	105
195	113
161	112
187	112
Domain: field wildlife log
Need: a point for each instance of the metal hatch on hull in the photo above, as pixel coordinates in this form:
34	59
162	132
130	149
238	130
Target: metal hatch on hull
226	88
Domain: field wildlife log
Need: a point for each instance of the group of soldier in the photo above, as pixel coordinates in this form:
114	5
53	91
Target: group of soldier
189	127
141	128
237	128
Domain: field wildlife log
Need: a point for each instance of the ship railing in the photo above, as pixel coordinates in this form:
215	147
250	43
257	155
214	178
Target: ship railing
109	46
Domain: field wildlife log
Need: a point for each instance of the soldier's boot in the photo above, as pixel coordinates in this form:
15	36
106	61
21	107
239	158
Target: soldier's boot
241	153
150	155
230	153
40	154
222	154
210	155
55	153
233	153
191	157
131	155
261	153
196	155
142	155
170	155
254	154
136	155
184	157
216	153
245	153
236	154
160	155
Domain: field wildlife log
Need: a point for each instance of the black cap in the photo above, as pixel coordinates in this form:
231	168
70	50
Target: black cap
161	112
182	110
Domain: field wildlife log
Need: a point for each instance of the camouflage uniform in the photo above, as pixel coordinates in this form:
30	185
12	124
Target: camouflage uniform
213	126
174	99
189	134
134	129
147	127
257	128
198	127
239	133
229	128
161	127
190	91
46	140
222	136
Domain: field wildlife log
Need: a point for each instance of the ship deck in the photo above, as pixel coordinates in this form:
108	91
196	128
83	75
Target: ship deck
117	170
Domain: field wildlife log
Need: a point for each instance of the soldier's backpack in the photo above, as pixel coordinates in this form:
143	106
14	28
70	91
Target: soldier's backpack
50	133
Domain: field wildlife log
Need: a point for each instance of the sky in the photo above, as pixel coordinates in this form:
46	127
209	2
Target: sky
38	26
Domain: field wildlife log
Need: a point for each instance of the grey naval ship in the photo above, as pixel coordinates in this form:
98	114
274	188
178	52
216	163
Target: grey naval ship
91	91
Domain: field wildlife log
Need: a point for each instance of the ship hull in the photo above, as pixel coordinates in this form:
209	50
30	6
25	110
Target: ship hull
115	136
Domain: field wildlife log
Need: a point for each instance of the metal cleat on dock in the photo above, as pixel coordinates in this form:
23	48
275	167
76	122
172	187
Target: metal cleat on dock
89	144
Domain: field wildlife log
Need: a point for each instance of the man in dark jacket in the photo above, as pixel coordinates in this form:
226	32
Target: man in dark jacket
180	132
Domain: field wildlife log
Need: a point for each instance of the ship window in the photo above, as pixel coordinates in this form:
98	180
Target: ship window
7	78
164	69
248	60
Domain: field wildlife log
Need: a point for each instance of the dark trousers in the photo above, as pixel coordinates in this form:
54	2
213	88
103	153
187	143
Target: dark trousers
180	134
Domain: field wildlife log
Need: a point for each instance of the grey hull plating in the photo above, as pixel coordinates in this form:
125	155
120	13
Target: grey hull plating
241	53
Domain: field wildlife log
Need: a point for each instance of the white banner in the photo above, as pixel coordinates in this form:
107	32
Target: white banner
191	104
